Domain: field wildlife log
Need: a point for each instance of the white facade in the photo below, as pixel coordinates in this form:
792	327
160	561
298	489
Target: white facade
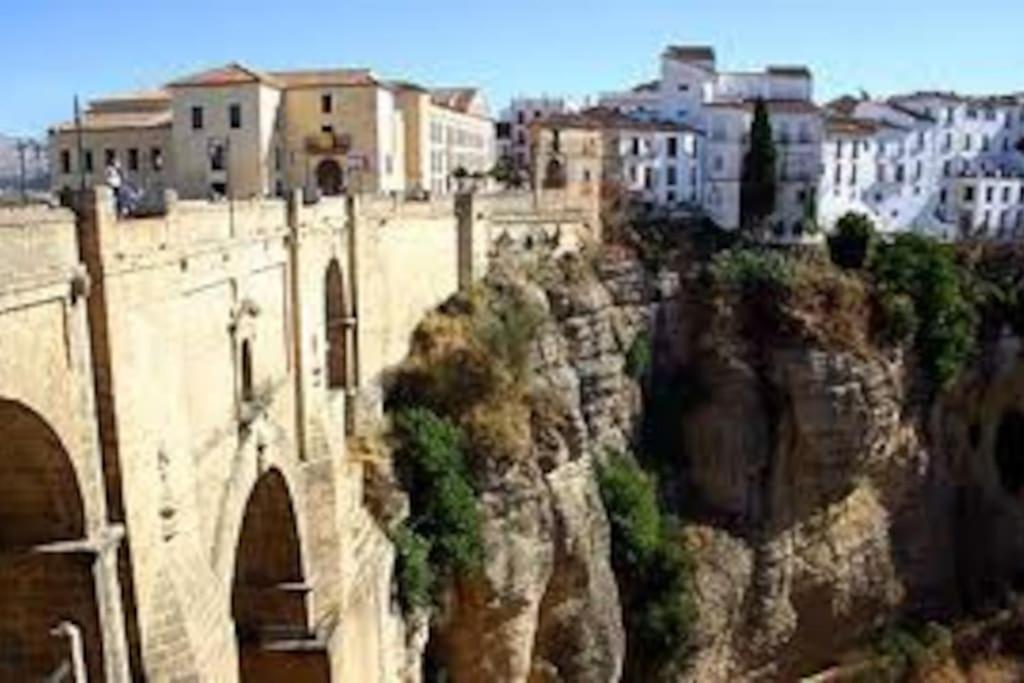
932	162
693	92
659	163
513	131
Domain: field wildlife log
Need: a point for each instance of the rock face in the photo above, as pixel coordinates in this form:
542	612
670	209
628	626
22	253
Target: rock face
547	607
830	501
823	496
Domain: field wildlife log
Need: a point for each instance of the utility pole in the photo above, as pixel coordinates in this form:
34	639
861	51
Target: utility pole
22	148
81	145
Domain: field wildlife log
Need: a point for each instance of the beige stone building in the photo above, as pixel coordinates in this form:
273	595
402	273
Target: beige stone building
342	129
238	132
132	129
568	153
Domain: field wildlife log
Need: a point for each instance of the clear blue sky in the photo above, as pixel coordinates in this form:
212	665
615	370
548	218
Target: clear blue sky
52	49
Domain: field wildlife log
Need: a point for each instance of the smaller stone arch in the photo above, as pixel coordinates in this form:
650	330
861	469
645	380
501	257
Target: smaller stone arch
335	307
330	178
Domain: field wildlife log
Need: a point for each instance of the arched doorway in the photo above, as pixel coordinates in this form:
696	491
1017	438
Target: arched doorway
46	568
268	598
1010	453
330	178
334	322
554	175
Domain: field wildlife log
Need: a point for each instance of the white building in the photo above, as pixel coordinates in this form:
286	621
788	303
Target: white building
513	127
693	92
939	163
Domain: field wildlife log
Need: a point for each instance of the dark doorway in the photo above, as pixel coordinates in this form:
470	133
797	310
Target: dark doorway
330	178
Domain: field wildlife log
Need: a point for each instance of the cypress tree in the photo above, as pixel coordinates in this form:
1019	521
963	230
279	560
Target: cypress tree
757	189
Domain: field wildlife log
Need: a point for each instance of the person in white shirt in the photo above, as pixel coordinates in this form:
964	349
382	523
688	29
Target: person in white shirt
115	181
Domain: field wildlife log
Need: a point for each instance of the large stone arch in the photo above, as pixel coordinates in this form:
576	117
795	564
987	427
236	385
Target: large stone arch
46	561
269	604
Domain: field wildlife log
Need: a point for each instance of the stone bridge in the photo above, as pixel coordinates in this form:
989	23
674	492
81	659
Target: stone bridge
176	500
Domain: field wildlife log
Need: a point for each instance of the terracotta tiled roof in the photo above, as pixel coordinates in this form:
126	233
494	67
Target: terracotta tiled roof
603	118
845	105
774	106
97	121
459	99
649	86
895	104
307	78
690	53
230	74
849	125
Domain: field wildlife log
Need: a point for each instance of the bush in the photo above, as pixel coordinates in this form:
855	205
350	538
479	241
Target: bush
506	325
853	244
903	651
898	319
413	572
753	271
639	357
926	271
631	501
654	571
444	511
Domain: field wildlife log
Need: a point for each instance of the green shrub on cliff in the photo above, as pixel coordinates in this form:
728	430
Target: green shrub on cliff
854	241
926	271
753	270
639	357
413	573
444	512
654	570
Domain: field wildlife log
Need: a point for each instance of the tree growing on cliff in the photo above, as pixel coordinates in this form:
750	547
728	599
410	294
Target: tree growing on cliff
854	241
758	181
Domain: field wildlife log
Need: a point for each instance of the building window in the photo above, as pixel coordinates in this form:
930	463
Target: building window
217	157
943	196
969	193
671	176
327	128
1006	195
719	163
635	144
87	164
947	168
556	141
278	158
673	147
235	116
156	158
990	195
649	178
109	157
133	159
197	118
248	390
65	161
326	103
967	143
521	118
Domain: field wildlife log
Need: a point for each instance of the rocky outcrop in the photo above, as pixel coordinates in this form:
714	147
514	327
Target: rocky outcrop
830	500
546	608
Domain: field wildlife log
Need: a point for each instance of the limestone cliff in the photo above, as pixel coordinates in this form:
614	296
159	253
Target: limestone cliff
824	495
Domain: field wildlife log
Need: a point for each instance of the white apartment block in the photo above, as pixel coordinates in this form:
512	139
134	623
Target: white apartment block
691	91
513	128
939	163
658	162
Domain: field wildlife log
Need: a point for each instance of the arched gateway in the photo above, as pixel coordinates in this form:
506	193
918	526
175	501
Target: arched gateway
46	565
330	178
269	595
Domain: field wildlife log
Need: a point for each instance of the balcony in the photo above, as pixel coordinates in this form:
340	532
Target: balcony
328	143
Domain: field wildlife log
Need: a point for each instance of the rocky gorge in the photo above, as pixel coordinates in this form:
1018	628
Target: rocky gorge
824	491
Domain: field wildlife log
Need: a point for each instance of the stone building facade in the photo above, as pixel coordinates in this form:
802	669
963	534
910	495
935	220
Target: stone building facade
177	393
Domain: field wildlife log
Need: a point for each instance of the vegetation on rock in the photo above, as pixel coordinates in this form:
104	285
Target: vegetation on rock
444	525
854	241
654	568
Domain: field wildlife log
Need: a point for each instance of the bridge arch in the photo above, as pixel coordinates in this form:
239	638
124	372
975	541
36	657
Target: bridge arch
46	563
269	591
